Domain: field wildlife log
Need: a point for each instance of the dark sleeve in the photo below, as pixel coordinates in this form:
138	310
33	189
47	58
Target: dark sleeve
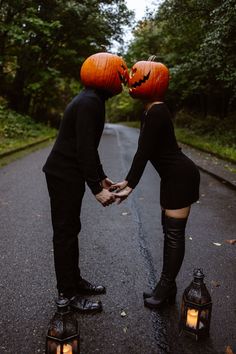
88	113
146	147
101	173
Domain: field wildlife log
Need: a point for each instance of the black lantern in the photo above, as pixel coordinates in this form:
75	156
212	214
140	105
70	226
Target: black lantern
196	307
63	336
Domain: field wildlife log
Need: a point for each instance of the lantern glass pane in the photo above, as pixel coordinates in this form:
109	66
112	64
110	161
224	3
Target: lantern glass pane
65	348
192	318
204	319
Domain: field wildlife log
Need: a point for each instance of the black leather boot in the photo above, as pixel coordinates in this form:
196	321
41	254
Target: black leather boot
164	293
79	303
173	255
84	287
150	292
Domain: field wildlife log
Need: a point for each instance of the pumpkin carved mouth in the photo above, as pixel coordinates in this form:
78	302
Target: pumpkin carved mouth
141	81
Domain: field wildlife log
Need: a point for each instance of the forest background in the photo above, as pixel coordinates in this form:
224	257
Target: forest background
43	44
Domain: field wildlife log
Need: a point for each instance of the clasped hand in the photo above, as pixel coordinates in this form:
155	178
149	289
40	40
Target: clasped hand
112	192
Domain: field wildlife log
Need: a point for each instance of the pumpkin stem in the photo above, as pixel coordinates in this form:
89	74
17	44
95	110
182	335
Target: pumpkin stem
152	58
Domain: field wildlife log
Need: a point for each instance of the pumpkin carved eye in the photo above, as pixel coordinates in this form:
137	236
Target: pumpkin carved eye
124	77
104	71
132	72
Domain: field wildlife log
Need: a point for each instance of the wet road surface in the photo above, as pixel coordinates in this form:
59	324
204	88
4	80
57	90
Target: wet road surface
120	247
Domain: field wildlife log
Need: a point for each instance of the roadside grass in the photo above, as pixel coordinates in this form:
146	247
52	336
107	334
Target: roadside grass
18	131
207	143
214	135
5	160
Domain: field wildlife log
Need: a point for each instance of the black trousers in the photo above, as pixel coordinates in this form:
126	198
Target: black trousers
66	199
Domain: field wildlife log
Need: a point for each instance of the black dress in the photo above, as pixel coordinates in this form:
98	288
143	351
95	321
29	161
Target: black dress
180	177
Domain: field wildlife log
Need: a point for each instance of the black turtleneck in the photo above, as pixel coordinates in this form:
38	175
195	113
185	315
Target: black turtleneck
74	155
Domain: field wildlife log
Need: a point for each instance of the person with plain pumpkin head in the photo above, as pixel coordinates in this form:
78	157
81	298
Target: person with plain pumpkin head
74	160
180	178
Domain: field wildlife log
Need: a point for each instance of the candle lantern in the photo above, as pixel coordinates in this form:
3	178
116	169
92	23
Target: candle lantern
196	307
63	336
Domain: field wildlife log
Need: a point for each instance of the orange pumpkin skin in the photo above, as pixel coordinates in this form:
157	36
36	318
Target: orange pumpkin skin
148	80
104	71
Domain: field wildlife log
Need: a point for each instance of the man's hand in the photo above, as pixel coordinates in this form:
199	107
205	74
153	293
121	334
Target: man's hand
106	183
105	197
123	194
118	186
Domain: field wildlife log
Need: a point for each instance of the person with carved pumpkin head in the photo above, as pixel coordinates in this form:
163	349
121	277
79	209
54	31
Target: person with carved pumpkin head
74	161
179	175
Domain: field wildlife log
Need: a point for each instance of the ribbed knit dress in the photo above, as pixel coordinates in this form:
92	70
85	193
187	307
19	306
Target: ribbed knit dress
179	175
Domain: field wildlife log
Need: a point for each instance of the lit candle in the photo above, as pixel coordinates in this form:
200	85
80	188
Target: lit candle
192	316
67	349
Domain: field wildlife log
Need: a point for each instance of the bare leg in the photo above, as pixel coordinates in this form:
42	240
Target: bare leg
178	213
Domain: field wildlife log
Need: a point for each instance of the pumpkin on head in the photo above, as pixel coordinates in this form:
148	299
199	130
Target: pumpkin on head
148	80
104	71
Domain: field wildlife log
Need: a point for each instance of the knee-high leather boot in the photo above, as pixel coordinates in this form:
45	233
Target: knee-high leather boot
173	255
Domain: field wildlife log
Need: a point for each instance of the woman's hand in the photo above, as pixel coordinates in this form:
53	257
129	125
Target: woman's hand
118	186
106	183
123	194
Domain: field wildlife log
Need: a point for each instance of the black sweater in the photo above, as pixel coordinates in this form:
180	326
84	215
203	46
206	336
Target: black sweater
74	156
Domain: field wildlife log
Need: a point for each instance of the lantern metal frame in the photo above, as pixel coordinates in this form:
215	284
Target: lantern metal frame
63	330
196	297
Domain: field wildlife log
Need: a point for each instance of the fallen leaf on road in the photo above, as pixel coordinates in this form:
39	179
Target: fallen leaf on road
214	283
228	350
123	313
216	243
231	242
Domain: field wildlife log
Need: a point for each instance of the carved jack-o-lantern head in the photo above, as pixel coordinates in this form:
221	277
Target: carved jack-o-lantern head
148	80
104	71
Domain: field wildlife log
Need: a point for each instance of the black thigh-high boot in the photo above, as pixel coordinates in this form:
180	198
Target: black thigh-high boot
173	255
150	293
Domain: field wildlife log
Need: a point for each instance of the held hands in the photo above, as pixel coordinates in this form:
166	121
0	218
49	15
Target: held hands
105	197
120	192
117	187
123	194
106	183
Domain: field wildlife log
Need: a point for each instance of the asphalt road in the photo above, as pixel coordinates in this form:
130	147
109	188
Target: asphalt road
121	247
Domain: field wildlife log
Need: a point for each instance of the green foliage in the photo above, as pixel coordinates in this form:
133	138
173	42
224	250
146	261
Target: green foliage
197	41
17	130
42	46
212	134
123	107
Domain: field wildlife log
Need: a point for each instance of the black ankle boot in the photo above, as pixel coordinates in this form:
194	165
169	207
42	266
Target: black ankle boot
164	292
173	254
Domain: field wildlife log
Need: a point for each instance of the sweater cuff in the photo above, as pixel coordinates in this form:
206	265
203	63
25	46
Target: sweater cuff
95	188
101	173
131	183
